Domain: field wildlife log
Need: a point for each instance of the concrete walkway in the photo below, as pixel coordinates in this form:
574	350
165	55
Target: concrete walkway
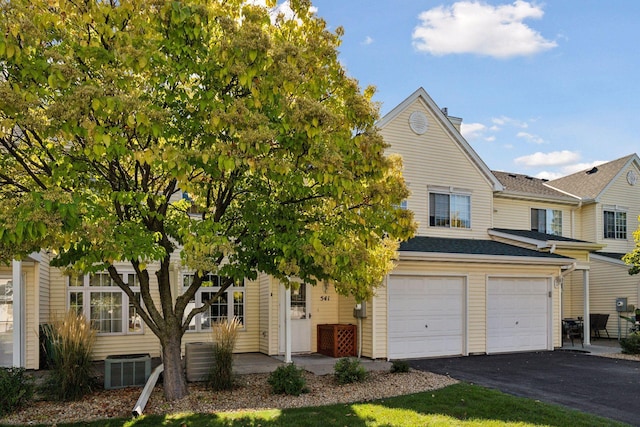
599	346
318	364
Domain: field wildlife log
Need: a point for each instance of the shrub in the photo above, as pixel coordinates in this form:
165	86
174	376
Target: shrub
288	379
72	341
348	370
16	389
631	344
399	366
225	334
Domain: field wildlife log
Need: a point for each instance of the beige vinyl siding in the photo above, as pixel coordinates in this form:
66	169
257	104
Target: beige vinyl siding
449	166
265	313
572	295
43	288
515	214
31	272
590	218
623	196
608	281
477	275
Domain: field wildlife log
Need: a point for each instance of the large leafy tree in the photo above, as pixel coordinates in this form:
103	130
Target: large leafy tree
110	110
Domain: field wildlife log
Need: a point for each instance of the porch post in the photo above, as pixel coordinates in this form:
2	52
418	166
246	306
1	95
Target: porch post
18	313
586	321
287	325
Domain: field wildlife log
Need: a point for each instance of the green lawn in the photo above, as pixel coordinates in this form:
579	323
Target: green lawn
457	405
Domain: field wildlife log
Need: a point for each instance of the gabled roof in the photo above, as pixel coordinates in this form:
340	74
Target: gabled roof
453	132
474	247
589	184
543	240
524	186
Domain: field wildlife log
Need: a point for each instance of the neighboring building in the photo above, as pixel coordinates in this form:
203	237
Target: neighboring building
498	260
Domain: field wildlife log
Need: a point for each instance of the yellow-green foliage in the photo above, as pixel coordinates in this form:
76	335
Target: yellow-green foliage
72	341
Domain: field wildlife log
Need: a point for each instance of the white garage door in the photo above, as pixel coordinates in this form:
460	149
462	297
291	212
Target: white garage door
426	316
517	314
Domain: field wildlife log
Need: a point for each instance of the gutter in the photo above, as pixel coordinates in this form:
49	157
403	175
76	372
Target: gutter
146	391
497	259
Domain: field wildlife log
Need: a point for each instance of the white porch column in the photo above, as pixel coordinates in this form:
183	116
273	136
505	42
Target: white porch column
287	324
18	314
586	323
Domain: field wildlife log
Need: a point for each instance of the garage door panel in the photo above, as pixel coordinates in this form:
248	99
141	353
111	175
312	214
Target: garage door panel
425	316
517	315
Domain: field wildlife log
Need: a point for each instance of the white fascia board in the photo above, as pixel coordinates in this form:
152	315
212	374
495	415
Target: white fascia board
595	255
540	244
477	258
568	200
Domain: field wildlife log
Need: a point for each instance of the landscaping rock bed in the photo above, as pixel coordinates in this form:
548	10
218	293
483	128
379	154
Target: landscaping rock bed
252	392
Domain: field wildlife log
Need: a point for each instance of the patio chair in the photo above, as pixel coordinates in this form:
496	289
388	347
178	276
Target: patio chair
598	323
573	329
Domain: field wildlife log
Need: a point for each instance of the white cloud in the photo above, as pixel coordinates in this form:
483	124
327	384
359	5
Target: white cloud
504	121
554	158
472	131
577	167
479	28
530	137
549	175
367	41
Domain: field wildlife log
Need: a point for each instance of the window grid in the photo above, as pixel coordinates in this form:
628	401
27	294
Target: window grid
106	306
615	225
230	303
449	210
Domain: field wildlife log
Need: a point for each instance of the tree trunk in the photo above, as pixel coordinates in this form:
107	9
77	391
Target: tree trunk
174	380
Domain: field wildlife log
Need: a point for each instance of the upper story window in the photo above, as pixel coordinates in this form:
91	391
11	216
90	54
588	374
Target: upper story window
107	307
615	224
230	303
548	221
449	210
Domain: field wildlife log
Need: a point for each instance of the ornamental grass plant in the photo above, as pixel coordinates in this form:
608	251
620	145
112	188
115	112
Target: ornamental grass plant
72	340
225	335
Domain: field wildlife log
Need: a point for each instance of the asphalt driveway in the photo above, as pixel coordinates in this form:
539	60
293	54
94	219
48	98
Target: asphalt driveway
597	385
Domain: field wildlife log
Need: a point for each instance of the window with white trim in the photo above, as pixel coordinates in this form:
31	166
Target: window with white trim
107	307
548	221
228	304
449	210
615	224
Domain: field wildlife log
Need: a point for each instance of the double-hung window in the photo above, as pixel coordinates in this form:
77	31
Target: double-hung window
449	210
548	221
228	304
107	307
615	224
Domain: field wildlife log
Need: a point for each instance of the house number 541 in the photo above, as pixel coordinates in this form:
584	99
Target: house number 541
325	298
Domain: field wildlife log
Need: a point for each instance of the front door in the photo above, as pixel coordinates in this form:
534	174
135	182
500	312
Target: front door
299	315
6	322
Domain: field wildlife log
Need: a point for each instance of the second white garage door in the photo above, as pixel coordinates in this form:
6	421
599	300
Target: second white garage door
426	316
517	314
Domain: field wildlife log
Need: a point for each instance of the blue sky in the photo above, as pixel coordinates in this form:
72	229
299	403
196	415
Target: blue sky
543	89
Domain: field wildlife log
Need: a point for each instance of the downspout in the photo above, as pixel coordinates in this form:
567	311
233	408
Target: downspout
146	391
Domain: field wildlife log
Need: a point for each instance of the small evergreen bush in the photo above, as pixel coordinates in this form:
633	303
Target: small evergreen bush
72	341
225	334
16	389
348	370
399	366
288	379
631	344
